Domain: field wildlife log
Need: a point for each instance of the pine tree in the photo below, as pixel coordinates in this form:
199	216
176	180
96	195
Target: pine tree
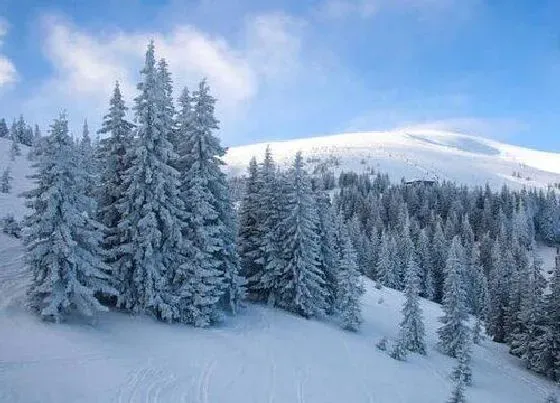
114	156
412	326
4	132
299	284
62	241
384	269
426	266
150	208
439	257
249	236
349	287
331	240
15	149
6	180
453	333
202	179
273	212
462	370
477	331
458	394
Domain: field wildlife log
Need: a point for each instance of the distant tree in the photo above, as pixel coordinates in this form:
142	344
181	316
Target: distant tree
349	286
4	131
6	180
453	334
412	326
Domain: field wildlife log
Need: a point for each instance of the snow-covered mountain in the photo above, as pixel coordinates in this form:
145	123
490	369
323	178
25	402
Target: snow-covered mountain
415	154
262	355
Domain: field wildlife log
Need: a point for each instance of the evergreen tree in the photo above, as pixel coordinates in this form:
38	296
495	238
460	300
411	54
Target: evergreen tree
331	242
458	394
425	264
349	284
150	209
386	273
439	257
4	132
462	370
6	180
249	236
15	149
453	333
62	241
211	226
272	208
412	326
114	155
299	284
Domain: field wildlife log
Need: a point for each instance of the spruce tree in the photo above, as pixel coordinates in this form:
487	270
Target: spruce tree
62	238
412	324
462	370
6	180
202	159
299	284
458	393
273	212
4	131
349	287
249	235
453	333
150	208
114	156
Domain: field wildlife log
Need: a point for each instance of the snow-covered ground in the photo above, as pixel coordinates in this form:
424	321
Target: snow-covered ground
20	168
416	154
263	355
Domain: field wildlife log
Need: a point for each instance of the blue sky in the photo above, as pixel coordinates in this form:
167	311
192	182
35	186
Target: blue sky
287	69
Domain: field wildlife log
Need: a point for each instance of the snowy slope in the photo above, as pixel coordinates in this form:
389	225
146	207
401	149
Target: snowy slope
21	168
416	154
263	355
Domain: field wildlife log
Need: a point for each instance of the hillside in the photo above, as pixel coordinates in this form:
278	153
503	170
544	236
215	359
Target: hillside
263	355
415	154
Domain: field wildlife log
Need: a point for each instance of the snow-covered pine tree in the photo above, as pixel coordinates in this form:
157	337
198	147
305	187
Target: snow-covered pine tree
150	207
113	158
458	393
299	284
349	287
249	235
412	324
62	239
6	180
201	155
499	290
453	333
4	131
273	211
530	311
462	370
15	149
439	258
331	239
425	264
384	263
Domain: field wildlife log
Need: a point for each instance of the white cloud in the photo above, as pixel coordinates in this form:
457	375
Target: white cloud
337	9
273	43
8	72
86	65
